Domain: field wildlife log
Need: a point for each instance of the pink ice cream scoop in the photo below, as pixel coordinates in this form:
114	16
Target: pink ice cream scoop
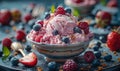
60	27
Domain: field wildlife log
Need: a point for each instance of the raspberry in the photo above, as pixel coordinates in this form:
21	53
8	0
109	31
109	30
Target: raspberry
89	56
38	38
20	35
60	10
70	65
7	42
27	17
83	25
86	31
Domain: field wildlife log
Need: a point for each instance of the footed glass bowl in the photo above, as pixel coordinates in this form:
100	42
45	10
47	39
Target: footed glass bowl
59	53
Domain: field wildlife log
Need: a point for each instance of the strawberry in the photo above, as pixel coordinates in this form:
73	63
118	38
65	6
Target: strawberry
113	41
20	35
70	65
7	42
29	60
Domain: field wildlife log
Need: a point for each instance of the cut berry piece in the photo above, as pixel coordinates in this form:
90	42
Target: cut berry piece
7	42
29	60
55	32
68	10
77	30
14	61
98	54
41	22
70	65
47	15
103	39
60	10
36	27
113	41
38	38
108	57
53	66
66	40
78	1
96	63
20	35
28	48
89	56
83	25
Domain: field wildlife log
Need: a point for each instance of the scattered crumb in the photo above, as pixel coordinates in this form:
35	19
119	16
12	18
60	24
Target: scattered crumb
81	68
104	65
118	59
7	31
23	40
14	28
15	53
104	53
100	68
39	69
101	60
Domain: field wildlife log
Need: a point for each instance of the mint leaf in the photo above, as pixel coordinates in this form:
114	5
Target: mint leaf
103	2
6	52
52	8
76	12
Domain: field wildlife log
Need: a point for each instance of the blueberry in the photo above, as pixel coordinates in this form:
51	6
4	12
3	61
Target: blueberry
98	54
31	23
96	62
36	27
65	39
47	15
10	57
28	48
77	30
1	53
14	61
98	44
68	10
108	57
55	32
52	66
95	48
21	27
103	39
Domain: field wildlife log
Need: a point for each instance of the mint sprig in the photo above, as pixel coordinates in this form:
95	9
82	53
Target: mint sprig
76	12
6	52
52	8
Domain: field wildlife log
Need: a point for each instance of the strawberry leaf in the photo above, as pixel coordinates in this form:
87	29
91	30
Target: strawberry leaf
6	52
52	8
103	2
76	12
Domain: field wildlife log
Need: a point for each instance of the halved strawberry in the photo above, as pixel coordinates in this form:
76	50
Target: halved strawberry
29	60
113	41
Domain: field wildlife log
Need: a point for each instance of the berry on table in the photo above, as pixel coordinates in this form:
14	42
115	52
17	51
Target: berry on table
27	18
7	42
108	57
31	23
14	61
20	35
60	10
52	66
89	56
96	62
70	65
98	54
96	48
28	48
66	40
98	44
36	27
